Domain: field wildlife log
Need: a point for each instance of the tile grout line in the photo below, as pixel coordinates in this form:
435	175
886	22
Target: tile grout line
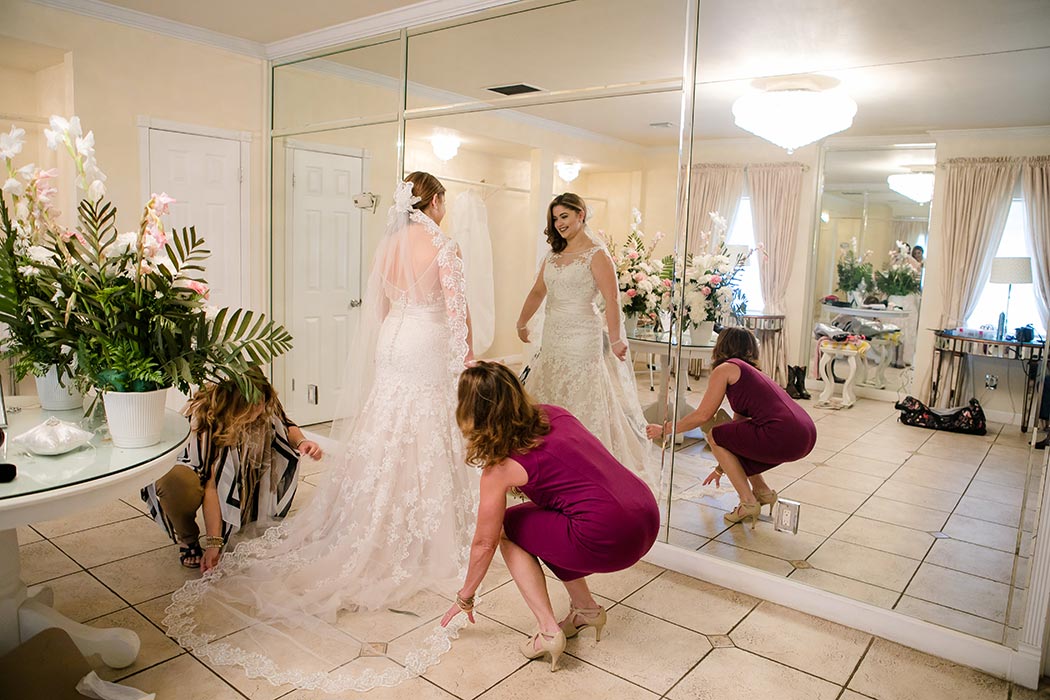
864	655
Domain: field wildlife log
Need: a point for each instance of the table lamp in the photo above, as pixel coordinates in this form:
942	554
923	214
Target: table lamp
1009	271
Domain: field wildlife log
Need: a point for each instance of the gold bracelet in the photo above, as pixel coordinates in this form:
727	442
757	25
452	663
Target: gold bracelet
213	542
465	604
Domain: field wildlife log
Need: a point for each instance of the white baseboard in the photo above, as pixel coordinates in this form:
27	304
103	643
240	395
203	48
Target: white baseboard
1021	667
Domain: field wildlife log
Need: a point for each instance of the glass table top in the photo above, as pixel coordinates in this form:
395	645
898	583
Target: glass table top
648	335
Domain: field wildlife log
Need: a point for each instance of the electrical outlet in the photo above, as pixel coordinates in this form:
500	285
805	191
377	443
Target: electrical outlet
311	394
786	515
991	381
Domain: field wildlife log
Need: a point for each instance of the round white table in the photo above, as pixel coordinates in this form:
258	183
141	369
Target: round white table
644	340
52	487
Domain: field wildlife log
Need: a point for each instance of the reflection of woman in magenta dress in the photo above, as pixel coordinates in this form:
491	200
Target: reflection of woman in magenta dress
587	512
768	427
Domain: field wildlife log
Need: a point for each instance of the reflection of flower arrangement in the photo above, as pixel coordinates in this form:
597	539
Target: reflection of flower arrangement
131	304
645	284
855	272
711	292
900	278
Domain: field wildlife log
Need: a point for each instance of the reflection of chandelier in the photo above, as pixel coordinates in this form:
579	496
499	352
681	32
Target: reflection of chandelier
916	186
794	111
568	171
445	145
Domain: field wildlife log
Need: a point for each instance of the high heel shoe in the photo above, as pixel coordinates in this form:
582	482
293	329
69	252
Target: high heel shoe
744	511
553	644
592	617
767	498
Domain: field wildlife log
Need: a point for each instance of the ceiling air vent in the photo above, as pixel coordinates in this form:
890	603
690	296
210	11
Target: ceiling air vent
518	89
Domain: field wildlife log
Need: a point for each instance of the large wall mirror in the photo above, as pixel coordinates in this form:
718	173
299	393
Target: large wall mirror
932	525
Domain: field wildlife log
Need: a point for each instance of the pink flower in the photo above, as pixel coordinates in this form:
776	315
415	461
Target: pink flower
161	202
633	255
157	232
198	287
639	277
667	283
632	293
73	233
716	279
706	291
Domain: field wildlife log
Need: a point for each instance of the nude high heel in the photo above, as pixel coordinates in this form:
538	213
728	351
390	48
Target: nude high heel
593	617
743	512
767	498
549	644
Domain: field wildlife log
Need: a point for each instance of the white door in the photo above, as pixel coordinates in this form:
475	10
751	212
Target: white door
324	258
203	174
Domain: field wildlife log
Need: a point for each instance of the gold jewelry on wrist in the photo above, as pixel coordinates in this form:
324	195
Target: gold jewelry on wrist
718	470
295	446
465	604
213	542
521	328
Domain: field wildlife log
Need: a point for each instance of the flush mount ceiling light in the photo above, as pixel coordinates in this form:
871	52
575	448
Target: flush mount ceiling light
568	170
916	185
792	111
445	145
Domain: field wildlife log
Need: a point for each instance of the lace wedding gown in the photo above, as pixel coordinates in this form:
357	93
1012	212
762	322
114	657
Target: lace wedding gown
575	367
393	517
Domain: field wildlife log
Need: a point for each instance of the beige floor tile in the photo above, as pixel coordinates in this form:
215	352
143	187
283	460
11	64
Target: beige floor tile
460	672
885	537
685	540
797	469
831	443
1008	455
765	540
819	455
219	623
735	673
862	464
505	605
816	646
385	626
1004	476
931	480
872	454
642	649
415	688
806	491
778	480
574	679
963	454
972	559
185	678
899	435
893	672
156	646
850	695
918	495
145	576
700	518
952	619
691	603
903	514
621	584
27	535
864	564
747	557
845	479
112	512
982	532
41	561
850	588
959	591
80	597
111	542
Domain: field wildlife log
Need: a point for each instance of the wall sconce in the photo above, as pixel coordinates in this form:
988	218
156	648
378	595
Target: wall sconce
568	171
445	145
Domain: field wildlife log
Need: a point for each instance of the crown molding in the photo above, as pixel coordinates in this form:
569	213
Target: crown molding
420	13
97	9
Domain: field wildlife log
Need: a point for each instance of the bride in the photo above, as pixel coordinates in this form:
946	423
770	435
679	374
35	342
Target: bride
581	364
394	516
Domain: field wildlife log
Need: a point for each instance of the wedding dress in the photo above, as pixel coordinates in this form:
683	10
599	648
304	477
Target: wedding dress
314	601
470	229
576	369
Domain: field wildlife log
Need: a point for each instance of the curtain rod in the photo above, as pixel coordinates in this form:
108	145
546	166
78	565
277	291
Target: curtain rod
482	183
747	166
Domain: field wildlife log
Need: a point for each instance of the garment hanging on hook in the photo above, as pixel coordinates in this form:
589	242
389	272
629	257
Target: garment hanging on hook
470	229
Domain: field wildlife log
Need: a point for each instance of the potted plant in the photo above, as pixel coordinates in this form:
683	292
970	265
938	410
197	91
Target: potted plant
901	278
855	272
35	341
711	293
644	284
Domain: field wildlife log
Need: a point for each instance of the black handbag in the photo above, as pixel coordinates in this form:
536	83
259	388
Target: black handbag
967	419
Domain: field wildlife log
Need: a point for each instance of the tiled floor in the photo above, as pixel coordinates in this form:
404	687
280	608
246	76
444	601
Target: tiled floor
668	635
922	522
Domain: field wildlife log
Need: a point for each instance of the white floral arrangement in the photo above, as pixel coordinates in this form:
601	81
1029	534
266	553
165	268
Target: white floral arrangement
711	291
644	283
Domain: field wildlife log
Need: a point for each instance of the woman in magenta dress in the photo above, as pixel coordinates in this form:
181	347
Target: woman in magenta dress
587	512
768	427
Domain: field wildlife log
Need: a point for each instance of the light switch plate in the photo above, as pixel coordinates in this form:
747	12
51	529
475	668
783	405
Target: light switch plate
785	516
311	394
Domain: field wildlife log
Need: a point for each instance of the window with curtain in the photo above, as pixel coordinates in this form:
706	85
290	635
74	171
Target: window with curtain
992	300
743	233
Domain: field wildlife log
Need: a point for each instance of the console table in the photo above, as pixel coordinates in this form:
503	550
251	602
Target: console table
950	351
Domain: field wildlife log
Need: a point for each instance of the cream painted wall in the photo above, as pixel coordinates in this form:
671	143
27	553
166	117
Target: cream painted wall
1006	399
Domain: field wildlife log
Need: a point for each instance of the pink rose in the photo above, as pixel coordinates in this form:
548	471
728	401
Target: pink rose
633	255
706	291
667	283
632	293
198	287
716	279
639	277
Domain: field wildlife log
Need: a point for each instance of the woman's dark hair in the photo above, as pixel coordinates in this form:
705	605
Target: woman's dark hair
735	343
569	201
425	186
497	417
917	248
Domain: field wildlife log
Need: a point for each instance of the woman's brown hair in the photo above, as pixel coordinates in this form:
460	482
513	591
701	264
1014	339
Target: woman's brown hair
568	200
425	186
221	411
735	343
495	414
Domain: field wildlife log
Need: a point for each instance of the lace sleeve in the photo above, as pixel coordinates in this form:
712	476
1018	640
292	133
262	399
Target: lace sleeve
454	288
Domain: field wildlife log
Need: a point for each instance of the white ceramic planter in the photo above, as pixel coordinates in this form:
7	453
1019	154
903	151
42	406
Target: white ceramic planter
136	419
55	397
630	325
704	334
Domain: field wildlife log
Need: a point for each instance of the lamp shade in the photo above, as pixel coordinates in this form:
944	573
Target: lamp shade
1011	271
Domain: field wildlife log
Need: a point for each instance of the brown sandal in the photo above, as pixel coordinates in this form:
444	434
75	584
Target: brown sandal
191	551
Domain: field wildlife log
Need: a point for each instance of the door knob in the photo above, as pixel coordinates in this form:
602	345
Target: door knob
354	303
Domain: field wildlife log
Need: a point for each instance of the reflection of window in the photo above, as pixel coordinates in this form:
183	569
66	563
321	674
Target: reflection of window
992	300
743	233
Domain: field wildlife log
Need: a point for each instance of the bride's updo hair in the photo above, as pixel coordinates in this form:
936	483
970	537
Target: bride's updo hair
497	417
426	187
568	200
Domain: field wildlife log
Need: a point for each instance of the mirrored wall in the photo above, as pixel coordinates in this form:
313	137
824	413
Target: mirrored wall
630	105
